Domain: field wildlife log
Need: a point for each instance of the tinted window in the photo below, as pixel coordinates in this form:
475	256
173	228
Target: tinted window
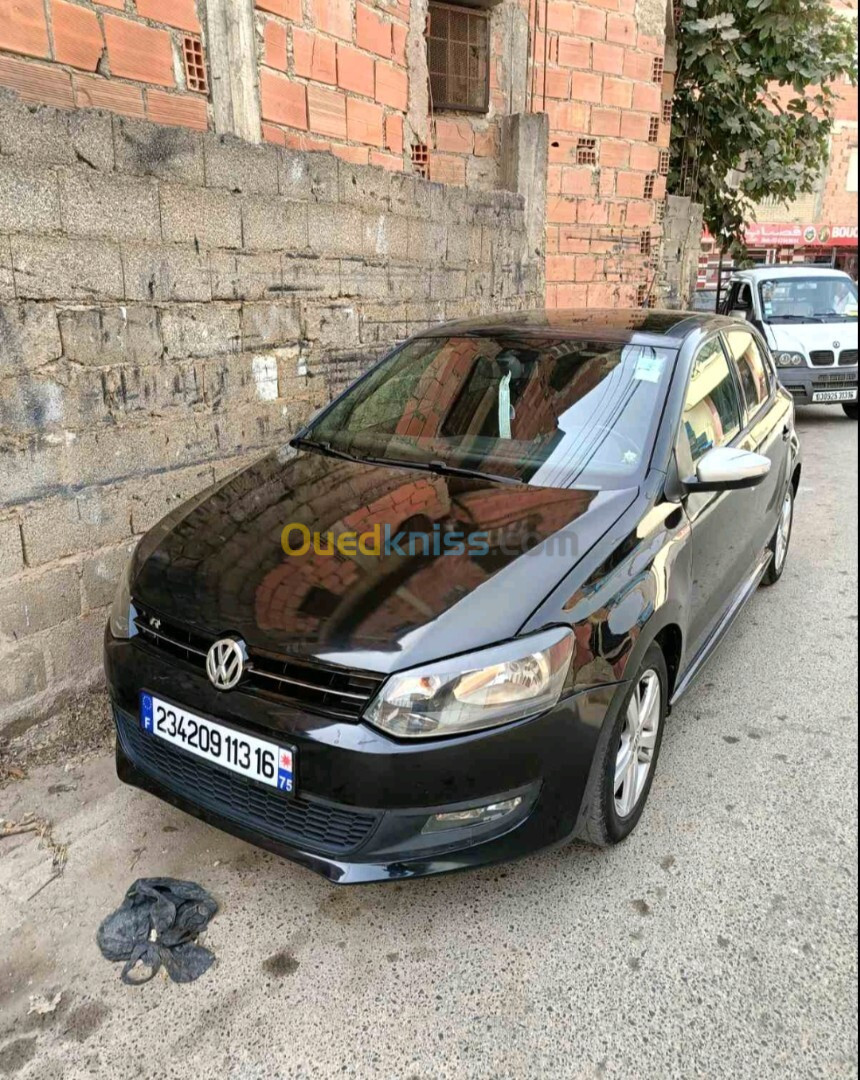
712	413
549	411
752	368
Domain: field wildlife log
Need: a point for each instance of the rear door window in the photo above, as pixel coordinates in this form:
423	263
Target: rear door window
712	411
752	368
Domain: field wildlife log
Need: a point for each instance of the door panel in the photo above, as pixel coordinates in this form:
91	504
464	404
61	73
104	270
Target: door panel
713	416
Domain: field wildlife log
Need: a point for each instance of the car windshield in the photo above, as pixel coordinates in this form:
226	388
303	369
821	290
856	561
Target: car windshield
809	299
546	411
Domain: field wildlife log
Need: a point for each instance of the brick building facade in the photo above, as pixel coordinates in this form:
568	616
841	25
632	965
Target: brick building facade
362	79
213	215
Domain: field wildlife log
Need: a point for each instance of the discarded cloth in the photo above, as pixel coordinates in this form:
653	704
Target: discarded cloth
158	924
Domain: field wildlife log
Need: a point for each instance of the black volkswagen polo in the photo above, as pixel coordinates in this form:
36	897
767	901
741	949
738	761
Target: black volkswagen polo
445	625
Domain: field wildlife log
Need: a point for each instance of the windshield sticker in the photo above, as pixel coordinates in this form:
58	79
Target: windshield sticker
649	366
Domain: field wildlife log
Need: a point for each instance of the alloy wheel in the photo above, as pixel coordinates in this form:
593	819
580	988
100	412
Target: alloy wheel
637	744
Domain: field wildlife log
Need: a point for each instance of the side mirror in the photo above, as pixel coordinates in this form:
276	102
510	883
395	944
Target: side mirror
727	469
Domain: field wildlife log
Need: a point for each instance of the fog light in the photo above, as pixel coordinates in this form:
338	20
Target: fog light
476	815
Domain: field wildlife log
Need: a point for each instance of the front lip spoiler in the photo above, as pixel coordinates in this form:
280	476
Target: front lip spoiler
503	848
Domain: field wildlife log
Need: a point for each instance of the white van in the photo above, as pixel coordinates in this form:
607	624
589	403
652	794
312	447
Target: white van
808	315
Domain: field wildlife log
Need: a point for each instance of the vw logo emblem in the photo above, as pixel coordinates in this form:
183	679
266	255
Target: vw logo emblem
837	344
225	663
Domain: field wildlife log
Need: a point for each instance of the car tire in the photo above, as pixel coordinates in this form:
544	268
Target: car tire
610	813
851	410
781	542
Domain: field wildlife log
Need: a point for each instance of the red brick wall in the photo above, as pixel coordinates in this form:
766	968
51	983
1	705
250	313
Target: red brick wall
604	97
335	80
839	205
120	55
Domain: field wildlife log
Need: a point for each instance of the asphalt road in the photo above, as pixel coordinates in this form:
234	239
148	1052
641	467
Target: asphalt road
720	940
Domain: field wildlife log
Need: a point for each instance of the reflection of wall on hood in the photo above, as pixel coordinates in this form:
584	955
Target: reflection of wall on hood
325	595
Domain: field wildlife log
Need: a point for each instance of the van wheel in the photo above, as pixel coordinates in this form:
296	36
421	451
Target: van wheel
850	411
627	757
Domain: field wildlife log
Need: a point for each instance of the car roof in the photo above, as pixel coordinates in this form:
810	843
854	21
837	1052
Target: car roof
778	273
646	326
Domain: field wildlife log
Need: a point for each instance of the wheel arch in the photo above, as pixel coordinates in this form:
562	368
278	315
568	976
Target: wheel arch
671	641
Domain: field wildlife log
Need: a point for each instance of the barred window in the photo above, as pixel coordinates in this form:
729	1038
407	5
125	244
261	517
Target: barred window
458	58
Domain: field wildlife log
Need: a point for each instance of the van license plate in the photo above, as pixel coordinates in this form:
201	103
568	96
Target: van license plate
235	750
824	396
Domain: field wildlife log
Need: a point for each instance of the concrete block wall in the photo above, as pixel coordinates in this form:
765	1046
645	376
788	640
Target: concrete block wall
173	304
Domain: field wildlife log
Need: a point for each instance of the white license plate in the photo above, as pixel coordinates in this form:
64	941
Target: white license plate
237	751
824	396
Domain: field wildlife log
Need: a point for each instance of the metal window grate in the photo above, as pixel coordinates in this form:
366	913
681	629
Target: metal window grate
420	159
586	151
654	129
458	58
195	66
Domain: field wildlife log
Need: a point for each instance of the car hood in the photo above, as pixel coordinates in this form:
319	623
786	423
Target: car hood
217	563
807	337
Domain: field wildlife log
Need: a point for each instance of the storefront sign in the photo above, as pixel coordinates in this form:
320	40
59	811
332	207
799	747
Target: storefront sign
770	235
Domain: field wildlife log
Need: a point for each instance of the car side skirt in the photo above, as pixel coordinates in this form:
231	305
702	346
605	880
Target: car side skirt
735	607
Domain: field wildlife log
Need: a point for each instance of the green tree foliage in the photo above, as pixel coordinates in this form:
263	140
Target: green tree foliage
754	103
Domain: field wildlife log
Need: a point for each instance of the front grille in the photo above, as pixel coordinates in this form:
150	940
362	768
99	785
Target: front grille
310	824
848	358
335	692
839	381
822	358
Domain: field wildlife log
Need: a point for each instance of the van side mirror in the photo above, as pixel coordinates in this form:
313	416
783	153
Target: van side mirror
726	468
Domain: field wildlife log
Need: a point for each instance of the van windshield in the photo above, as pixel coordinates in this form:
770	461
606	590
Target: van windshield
548	411
809	299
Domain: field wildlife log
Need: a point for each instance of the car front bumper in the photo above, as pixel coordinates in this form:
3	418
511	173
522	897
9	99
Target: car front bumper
362	798
803	383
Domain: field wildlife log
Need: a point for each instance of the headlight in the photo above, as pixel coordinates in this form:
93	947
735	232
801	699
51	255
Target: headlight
122	614
480	690
790	359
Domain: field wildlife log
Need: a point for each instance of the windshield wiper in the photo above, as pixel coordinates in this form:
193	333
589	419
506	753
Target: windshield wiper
324	448
794	318
441	468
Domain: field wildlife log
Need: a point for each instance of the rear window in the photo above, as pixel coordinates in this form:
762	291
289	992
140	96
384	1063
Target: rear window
541	410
